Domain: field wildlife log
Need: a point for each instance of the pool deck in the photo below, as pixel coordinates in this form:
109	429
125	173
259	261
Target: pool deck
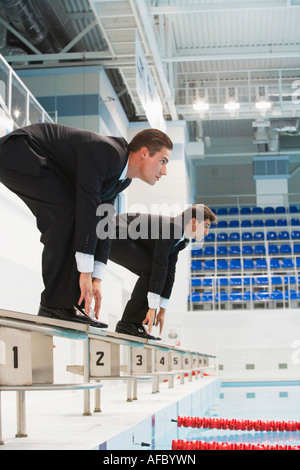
55	421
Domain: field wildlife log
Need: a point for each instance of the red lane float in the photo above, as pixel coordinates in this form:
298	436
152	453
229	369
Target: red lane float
237	424
181	444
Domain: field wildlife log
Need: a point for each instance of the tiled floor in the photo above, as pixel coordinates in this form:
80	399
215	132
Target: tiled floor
54	420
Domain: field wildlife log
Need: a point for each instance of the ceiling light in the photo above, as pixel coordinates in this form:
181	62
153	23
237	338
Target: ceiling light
201	106
232	106
263	105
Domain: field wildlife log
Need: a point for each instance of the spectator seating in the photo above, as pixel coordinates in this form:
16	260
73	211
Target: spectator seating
250	259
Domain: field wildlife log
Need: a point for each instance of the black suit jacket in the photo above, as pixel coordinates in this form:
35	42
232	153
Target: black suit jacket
159	235
90	163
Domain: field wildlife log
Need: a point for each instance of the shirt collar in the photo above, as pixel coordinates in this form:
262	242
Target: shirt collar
124	172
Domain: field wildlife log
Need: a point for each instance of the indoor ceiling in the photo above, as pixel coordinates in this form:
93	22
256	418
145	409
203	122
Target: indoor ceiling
242	52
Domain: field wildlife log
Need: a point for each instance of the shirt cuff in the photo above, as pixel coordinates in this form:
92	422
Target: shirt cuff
85	262
153	300
164	303
99	269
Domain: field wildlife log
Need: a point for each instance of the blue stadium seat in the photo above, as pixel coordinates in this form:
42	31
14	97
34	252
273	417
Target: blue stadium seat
222	297
261	263
207	297
196	282
234	224
257	210
271	235
274	263
276	295
207	282
260	250
222	264
209	265
269	210
248	281
273	249
270	223
296	235
296	248
291	294
209	251
284	235
233	210
262	281
222	211
247	296
295	221
248	264
195	297
210	237
234	250
234	237
236	296
287	263
298	263
289	280
259	236
222	224
197	252
285	249
222	281
235	264
247	236
276	280
222	251
246	223
247	250
245	210
293	209
196	265
235	281
263	295
282	223
222	237
280	210
258	223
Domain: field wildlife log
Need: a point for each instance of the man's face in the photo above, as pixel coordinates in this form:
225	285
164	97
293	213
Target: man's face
198	230
155	166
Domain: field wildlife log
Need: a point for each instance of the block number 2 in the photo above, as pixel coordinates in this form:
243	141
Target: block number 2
100	355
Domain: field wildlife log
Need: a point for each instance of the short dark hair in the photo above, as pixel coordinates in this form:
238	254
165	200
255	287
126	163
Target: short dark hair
154	139
199	212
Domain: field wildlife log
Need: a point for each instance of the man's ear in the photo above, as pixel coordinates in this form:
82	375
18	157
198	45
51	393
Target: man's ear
144	152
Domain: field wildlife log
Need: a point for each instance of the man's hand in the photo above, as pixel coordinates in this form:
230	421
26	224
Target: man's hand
160	319
90	289
149	319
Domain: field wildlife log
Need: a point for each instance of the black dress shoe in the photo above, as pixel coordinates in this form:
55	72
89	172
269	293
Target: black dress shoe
69	314
134	329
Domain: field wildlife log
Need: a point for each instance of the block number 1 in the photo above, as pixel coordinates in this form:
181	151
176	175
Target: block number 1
16	357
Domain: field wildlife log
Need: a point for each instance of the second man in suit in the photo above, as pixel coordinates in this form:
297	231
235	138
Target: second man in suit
148	246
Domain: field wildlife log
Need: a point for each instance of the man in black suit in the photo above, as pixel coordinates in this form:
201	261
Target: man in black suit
148	245
63	175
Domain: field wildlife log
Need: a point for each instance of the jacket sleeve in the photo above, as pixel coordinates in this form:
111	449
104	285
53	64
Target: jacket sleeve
167	289
160	265
96	162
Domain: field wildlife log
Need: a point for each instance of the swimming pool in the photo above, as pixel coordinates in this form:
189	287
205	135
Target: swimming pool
278	401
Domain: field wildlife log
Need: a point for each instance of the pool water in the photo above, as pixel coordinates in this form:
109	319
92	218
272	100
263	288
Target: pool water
278	401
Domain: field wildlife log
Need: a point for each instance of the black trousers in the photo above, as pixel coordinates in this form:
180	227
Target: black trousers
138	260
51	199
